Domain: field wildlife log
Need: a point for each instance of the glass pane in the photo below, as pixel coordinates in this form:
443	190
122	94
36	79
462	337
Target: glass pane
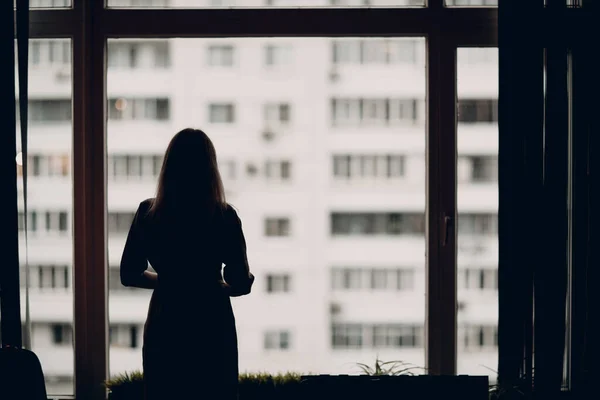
47	3
471	3
50	211
325	163
477	169
262	3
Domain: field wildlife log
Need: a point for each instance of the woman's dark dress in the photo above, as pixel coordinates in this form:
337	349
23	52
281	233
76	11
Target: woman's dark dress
190	341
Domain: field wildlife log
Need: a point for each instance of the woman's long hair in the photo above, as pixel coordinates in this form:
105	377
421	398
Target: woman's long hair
189	176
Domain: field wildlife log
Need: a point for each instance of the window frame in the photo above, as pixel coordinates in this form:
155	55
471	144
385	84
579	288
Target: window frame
89	25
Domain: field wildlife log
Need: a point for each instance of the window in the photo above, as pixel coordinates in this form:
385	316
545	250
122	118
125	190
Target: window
62	334
478	278
148	54
277	113
369	112
124	335
45	53
369	336
278	283
375	51
477	169
53	276
277	340
493	3
277	227
120	222
133	167
221	113
220	55
54	110
122	109
278	170
48	165
346	336
277	55
49	3
347	224
478	337
477	111
355	166
55	221
478	224
372	279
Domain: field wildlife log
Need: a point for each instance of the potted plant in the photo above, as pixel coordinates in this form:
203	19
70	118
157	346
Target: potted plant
261	386
126	386
392	378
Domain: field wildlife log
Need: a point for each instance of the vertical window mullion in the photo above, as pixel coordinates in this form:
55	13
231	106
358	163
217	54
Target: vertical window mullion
89	204
441	205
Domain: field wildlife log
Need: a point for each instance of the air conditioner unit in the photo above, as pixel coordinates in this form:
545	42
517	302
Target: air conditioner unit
335	308
63	75
251	169
334	76
268	135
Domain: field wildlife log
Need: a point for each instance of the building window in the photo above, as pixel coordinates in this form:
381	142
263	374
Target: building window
220	55
374	111
477	169
472	3
277	55
119	222
477	110
478	224
371	224
372	279
53	276
62	334
277	227
55	110
135	55
128	166
56	221
32	225
47	165
395	336
278	283
347	335
138	109
362	166
221	113
478	337
277	340
123	335
277	114
278	170
477	278
49	52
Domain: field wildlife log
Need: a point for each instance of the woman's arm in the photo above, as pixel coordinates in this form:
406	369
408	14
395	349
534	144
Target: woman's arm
134	263
238	279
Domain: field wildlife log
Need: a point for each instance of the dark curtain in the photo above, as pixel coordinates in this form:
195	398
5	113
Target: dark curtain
10	314
548	180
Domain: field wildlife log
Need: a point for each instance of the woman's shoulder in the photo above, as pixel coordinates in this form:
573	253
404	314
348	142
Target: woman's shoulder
230	213
145	206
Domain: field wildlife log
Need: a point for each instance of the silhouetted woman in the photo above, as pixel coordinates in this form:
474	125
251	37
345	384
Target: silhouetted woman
186	234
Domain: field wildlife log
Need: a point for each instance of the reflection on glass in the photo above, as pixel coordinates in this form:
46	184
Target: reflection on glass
50	211
261	3
325	162
477	179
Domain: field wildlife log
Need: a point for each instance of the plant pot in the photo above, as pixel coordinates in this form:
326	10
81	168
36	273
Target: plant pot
419	387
